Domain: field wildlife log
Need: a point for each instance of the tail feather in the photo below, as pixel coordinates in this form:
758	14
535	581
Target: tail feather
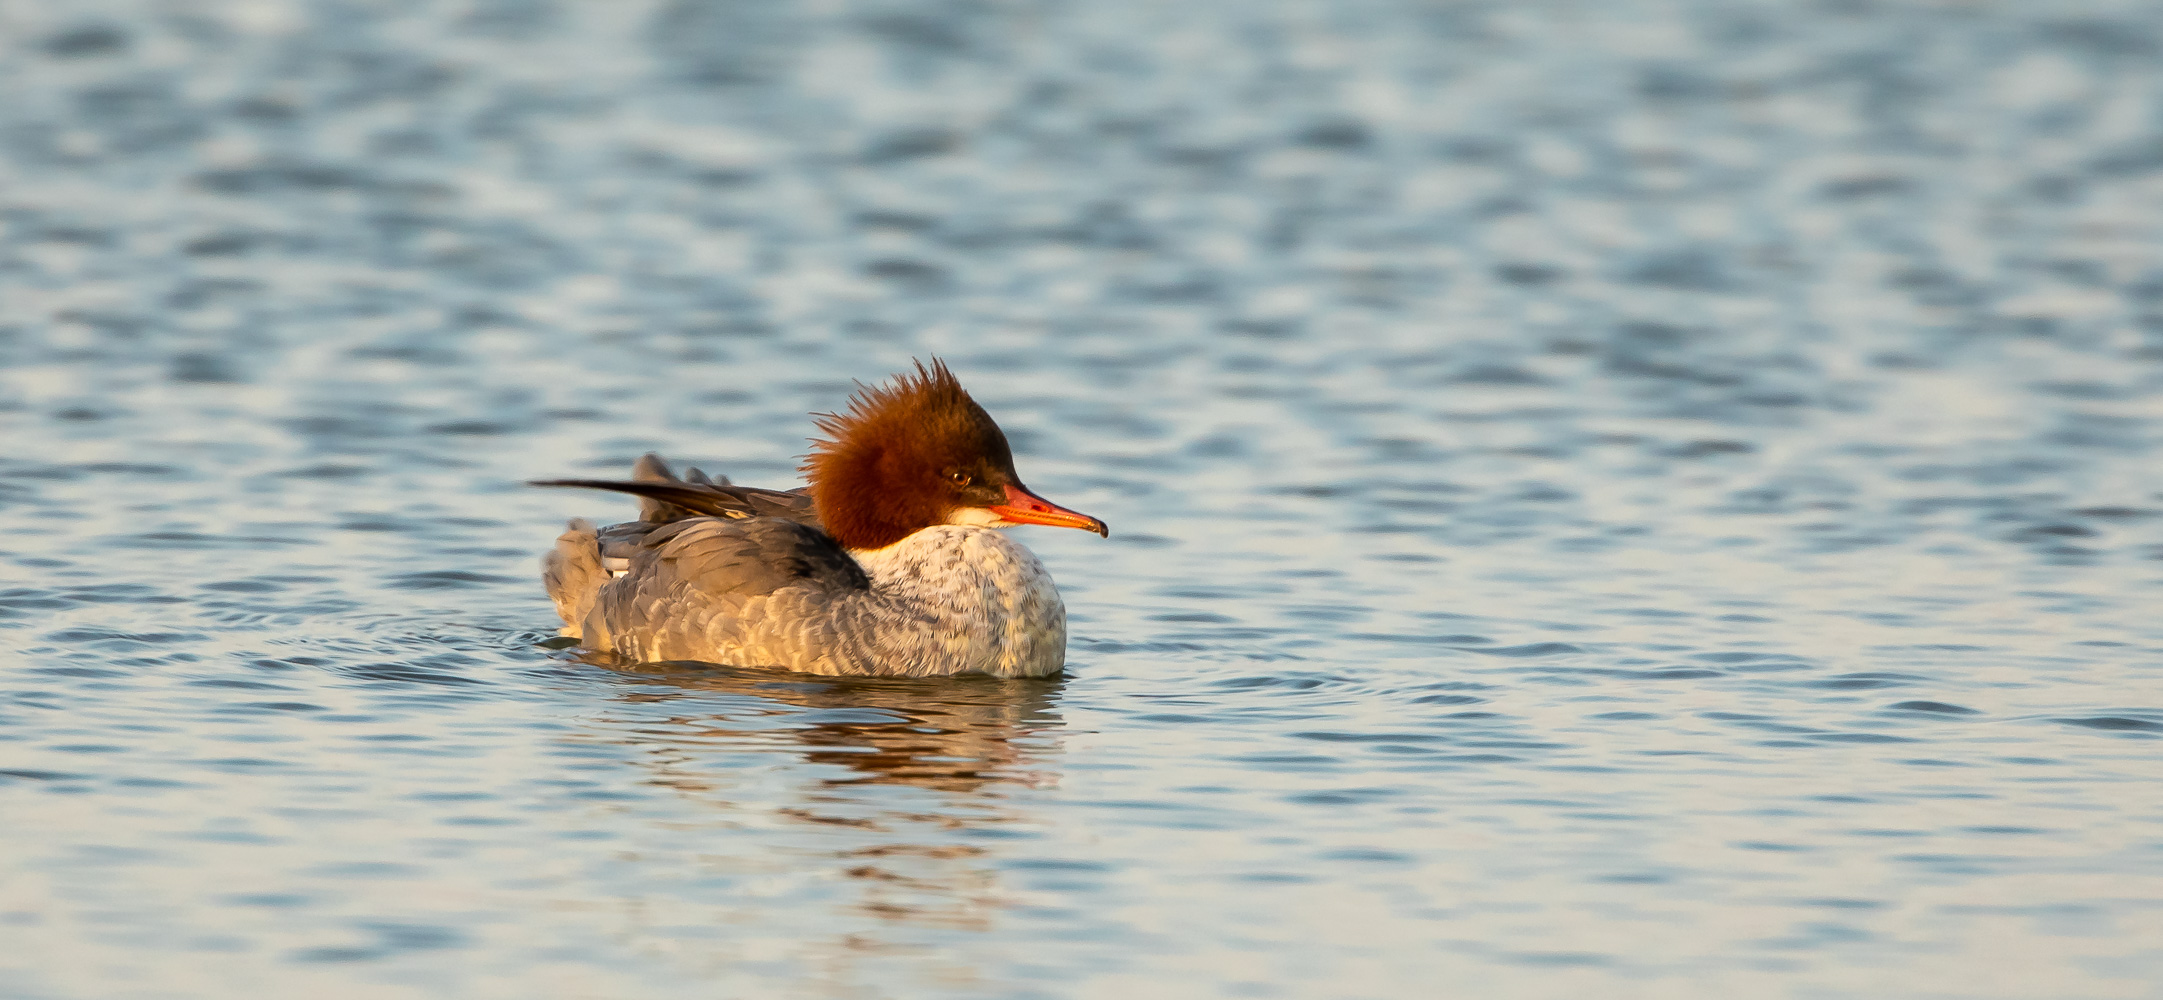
652	468
663	501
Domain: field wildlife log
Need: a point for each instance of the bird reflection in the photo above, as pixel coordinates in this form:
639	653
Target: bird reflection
904	773
960	735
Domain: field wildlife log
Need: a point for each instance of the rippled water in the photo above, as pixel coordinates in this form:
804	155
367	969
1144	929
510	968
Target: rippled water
1631	499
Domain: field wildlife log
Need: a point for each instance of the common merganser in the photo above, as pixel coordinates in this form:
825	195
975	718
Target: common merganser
886	564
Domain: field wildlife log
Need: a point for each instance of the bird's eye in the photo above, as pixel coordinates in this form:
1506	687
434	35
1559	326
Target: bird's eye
959	478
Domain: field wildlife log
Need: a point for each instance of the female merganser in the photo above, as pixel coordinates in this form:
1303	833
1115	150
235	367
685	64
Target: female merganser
885	564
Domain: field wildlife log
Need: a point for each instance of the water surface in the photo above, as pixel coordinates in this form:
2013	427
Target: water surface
1630	500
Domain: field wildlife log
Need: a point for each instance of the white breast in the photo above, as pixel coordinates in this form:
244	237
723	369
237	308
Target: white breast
985	601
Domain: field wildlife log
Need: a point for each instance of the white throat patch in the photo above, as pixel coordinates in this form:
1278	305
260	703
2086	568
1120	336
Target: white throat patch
977	517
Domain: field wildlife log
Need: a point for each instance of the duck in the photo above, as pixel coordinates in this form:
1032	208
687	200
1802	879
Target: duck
890	562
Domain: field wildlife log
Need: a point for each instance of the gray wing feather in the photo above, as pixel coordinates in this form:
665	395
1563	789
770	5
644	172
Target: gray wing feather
750	591
751	556
619	543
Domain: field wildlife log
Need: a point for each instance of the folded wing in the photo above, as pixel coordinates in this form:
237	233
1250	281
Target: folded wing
747	591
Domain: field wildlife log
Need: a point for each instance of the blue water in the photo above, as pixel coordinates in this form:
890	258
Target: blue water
1636	499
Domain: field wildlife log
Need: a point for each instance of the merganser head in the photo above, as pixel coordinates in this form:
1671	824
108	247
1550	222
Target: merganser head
918	452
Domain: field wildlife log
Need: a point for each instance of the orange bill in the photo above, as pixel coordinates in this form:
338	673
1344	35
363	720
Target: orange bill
1024	507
